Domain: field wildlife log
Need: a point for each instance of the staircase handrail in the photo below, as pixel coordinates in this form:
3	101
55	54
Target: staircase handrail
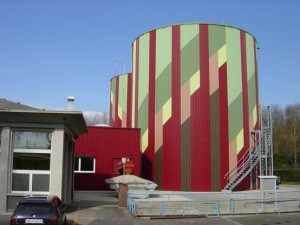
240	164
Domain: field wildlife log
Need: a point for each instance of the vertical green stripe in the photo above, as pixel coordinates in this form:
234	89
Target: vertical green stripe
251	94
186	155
133	84
250	56
143	82
163	67
234	79
215	166
123	80
163	50
143	68
113	86
235	114
217	38
189	44
143	116
251	73
234	82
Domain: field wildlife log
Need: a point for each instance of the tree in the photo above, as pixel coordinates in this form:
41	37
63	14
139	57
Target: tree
286	126
292	113
279	143
277	125
96	118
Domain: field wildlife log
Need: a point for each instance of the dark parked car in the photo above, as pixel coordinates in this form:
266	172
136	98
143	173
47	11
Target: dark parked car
47	210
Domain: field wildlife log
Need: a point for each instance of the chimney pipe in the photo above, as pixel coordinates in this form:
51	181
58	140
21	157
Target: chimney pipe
71	100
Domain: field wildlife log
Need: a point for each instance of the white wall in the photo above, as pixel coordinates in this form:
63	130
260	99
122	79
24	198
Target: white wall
4	167
56	162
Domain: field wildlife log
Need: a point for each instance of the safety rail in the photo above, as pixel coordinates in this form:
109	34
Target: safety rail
240	163
211	204
243	167
265	205
171	207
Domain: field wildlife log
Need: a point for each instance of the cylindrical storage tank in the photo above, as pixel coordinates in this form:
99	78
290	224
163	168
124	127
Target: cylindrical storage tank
195	98
120	100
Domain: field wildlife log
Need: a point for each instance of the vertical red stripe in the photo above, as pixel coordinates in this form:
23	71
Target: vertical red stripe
149	153
172	132
200	121
224	132
245	93
129	100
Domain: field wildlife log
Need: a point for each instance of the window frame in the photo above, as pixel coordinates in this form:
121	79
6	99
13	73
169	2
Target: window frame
79	165
31	173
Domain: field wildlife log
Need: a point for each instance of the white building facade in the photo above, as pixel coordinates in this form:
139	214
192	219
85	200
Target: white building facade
37	154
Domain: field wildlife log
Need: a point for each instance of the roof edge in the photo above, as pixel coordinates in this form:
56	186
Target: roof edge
194	23
119	75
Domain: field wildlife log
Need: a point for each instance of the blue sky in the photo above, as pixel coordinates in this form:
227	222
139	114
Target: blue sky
52	49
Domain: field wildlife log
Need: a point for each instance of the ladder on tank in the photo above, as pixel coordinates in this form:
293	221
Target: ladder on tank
261	150
266	155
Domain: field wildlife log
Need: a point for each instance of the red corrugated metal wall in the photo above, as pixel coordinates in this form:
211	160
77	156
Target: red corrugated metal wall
105	144
174	182
200	121
224	142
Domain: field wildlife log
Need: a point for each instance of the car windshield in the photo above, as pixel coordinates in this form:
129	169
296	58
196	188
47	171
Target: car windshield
34	208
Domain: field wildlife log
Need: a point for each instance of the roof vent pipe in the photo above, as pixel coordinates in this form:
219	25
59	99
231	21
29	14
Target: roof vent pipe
71	100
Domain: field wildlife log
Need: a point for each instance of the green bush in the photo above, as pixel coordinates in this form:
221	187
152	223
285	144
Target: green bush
288	175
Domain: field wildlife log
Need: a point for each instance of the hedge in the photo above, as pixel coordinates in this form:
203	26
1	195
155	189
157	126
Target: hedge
288	175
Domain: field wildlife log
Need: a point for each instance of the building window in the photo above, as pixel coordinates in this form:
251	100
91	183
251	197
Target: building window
31	161
85	164
32	140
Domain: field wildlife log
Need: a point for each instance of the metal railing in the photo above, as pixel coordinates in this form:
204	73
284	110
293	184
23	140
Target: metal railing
265	205
243	168
171	207
211	204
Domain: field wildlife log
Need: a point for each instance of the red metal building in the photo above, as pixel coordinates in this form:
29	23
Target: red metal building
98	153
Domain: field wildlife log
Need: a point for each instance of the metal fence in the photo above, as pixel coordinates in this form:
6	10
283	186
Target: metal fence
208	204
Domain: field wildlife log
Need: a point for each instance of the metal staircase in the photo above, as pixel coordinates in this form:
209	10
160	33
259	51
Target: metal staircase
244	166
266	156
260	151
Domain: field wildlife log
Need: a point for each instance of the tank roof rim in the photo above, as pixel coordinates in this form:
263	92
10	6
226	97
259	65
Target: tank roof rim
194	23
121	74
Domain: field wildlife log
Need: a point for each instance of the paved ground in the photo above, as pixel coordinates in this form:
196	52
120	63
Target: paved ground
116	215
120	218
102	208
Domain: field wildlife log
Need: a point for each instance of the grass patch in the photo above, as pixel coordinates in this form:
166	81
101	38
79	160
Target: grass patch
291	182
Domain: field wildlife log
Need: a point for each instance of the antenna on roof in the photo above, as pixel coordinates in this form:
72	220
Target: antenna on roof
119	63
